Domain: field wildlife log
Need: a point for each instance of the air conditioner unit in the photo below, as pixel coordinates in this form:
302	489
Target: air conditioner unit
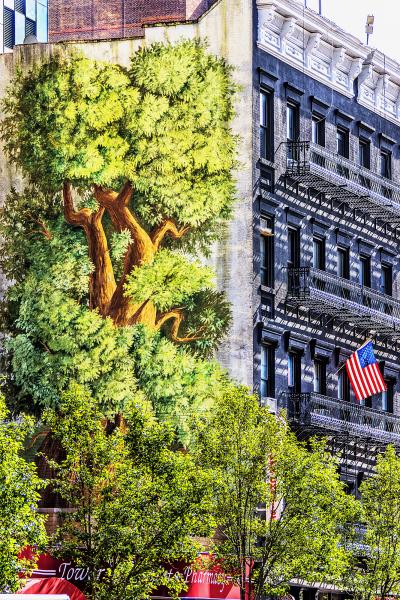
271	404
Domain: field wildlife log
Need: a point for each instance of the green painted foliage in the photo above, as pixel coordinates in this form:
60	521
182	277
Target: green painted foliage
56	338
168	281
20	524
163	124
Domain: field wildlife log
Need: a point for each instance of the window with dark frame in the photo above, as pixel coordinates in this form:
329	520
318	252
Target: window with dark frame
319	253
318	129
266	125
386	283
343	262
20	6
388	396
319	381
267	382
8	28
364	153
292	122
386	164
365	270
343	385
30	27
342	142
294	372
267	252
293	248
292	129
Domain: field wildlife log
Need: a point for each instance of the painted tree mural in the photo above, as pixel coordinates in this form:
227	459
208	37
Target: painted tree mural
142	160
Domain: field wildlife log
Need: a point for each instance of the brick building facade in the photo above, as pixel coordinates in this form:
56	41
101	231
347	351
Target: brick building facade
107	19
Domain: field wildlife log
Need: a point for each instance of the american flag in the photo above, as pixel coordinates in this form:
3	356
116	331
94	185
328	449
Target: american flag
364	373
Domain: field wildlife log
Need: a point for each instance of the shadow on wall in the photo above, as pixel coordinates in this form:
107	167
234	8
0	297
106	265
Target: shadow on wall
195	8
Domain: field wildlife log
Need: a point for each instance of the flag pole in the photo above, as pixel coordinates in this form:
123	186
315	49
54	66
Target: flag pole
344	364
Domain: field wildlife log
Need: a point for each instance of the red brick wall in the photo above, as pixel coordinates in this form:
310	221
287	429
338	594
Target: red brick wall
102	19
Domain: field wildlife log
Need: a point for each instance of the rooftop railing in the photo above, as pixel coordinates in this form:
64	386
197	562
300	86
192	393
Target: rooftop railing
344	300
320	169
329	414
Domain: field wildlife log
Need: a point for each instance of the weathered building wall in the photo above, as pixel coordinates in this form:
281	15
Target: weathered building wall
228	31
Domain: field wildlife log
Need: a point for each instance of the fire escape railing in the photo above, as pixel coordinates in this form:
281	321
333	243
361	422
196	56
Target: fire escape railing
346	301
320	169
329	414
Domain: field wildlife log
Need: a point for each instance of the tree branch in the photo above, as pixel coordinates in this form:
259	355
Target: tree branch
102	281
178	316
78	218
167	227
140	252
44	229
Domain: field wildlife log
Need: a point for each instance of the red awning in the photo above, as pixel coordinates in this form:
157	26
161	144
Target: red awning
53	585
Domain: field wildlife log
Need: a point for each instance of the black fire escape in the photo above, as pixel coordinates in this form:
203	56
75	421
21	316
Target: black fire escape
319	169
343	300
357	427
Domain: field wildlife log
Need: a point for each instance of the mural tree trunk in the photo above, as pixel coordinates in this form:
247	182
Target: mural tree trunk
106	294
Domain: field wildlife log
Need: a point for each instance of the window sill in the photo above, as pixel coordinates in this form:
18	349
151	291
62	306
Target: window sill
263	162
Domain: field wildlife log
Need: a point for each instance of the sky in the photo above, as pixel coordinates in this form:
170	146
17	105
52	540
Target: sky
351	16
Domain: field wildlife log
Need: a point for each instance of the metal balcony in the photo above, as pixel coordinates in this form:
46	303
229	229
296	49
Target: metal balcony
344	301
341	179
325	414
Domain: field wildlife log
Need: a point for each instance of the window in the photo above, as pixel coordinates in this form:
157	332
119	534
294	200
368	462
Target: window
342	142
343	263
292	122
267	253
20	6
292	130
386	164
367	402
294	372
30	27
30	8
365	271
293	263
8	28
319	383
343	385
41	23
386	279
364	153
293	248
387	397
267	385
318	130
319	253
266	124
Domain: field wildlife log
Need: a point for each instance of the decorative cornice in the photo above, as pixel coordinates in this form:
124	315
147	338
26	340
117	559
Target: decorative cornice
318	47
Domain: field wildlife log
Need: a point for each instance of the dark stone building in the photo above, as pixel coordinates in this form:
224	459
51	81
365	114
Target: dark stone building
327	217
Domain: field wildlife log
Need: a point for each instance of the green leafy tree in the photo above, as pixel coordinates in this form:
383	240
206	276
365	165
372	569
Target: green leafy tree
377	561
281	507
136	501
20	524
128	177
146	153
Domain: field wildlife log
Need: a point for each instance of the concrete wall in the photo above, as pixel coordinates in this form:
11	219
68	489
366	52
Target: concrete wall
227	27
